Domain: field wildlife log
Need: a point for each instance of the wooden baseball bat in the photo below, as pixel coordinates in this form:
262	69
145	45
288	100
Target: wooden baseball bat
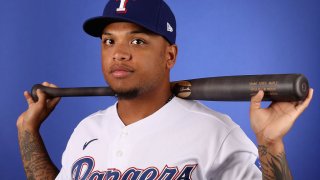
277	87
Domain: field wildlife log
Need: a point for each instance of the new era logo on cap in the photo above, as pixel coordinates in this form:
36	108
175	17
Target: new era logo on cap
169	28
154	15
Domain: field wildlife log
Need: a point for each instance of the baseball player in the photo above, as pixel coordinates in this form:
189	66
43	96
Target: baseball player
148	133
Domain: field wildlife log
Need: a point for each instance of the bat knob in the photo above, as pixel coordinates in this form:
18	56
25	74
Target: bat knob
301	87
34	91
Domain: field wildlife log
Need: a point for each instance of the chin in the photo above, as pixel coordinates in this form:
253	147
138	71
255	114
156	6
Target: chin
126	94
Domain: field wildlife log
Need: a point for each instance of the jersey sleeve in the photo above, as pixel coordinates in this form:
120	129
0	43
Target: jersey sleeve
63	174
66	161
65	170
236	158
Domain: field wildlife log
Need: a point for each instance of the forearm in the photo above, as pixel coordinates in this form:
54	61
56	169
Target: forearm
36	161
273	161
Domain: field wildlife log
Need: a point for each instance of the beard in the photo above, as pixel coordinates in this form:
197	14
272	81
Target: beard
126	94
126	90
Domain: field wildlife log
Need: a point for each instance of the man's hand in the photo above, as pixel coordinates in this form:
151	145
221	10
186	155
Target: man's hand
270	126
38	111
36	161
272	123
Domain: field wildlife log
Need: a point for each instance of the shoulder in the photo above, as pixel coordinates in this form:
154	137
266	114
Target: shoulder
202	123
202	114
97	119
215	129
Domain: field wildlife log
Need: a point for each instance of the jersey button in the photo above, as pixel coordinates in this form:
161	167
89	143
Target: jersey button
119	153
124	133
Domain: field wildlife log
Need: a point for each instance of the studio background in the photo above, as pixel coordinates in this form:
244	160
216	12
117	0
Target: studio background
44	41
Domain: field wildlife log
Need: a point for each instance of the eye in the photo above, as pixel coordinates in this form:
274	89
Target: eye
107	41
138	41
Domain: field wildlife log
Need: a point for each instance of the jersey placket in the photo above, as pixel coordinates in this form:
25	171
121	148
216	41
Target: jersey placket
120	150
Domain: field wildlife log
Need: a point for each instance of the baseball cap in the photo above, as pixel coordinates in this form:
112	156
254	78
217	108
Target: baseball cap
154	15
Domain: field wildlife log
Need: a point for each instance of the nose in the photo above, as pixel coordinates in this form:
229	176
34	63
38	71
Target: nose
122	53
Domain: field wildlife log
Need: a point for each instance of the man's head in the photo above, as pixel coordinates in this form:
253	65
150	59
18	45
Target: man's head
138	46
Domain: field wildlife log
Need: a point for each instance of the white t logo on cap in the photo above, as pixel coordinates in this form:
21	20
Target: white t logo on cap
122	7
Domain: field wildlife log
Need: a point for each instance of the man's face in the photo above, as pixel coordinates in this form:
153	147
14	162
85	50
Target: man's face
134	60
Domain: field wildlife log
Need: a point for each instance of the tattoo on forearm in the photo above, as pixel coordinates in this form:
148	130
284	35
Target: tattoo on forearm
262	150
28	146
36	160
274	166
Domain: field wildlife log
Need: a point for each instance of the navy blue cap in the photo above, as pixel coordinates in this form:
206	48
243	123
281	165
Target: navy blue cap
154	15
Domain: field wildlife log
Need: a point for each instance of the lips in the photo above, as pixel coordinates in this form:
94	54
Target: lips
120	71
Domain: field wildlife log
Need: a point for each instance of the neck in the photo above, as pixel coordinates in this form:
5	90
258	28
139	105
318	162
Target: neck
133	110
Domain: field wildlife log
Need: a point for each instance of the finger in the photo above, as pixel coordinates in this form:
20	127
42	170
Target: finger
53	102
45	83
41	97
256	100
53	85
28	97
301	107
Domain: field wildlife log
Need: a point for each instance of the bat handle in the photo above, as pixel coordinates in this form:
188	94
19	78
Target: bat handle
43	89
70	92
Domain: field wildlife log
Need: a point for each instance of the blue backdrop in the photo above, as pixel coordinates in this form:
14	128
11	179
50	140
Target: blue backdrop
44	41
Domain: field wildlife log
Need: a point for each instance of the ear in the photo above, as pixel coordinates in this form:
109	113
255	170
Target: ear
171	55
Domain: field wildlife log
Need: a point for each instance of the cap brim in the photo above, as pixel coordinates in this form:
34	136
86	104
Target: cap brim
94	26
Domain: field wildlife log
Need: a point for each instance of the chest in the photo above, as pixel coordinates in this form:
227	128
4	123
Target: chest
130	152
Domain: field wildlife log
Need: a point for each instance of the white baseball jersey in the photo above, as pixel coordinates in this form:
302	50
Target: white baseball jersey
182	140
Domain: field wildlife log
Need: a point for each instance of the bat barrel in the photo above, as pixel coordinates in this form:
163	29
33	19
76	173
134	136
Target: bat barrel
277	87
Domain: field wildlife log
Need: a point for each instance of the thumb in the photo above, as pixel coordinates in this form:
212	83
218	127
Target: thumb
28	98
256	100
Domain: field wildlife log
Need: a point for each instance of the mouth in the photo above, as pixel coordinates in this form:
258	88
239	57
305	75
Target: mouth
118	71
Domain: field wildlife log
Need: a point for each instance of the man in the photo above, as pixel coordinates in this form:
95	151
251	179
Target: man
148	133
